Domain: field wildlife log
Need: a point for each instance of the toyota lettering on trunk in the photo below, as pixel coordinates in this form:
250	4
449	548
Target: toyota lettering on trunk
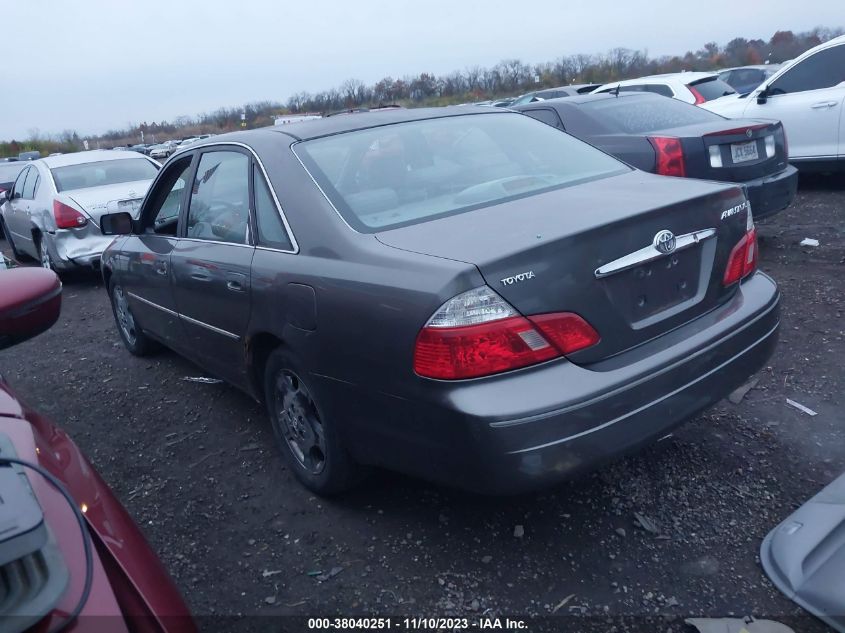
507	281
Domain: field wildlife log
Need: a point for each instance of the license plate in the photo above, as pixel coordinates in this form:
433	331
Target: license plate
129	205
741	152
651	288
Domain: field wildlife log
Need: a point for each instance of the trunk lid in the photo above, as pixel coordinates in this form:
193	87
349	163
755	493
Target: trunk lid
542	253
742	150
97	201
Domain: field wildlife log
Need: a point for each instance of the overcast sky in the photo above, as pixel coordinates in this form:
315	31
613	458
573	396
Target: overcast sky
91	65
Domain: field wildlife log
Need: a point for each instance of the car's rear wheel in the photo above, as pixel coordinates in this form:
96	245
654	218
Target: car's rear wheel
133	337
310	443
44	255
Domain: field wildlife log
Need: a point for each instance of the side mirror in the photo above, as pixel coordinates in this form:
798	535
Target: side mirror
763	95
116	223
30	303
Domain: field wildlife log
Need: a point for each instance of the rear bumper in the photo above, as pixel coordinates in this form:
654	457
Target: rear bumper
532	428
73	248
772	194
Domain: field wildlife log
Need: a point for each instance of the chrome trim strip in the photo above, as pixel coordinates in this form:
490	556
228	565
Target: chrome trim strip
201	240
653	402
204	146
210	327
154	305
186	318
650	253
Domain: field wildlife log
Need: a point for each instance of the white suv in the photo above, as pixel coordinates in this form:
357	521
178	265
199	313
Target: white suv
693	88
807	96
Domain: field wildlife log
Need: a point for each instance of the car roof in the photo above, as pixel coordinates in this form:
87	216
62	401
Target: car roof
316	128
588	98
91	156
752	67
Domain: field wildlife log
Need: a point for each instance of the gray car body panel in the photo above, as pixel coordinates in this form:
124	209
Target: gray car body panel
350	305
805	555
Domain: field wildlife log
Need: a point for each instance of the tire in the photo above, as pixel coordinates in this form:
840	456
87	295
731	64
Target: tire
44	258
16	254
133	337
310	444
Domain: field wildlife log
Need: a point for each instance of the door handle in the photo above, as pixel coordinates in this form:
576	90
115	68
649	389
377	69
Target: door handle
823	104
235	286
161	268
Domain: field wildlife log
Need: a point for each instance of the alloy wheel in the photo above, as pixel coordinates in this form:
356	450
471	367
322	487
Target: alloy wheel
44	256
124	316
298	422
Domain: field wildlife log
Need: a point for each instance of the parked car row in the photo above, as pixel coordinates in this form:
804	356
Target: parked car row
806	95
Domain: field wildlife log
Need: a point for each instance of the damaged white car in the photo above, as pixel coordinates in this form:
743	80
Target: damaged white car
53	210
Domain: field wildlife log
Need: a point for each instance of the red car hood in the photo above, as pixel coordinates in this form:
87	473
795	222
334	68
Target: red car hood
129	581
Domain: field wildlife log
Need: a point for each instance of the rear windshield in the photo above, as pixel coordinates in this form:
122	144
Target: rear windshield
103	172
412	172
10	171
712	88
634	115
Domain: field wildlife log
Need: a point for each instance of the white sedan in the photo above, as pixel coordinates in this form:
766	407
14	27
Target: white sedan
695	88
808	97
53	210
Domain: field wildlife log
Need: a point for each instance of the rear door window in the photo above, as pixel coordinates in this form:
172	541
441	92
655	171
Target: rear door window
219	204
271	230
825	69
29	185
712	88
659	89
19	182
547	116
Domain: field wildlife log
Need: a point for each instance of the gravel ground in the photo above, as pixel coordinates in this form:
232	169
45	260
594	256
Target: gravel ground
196	466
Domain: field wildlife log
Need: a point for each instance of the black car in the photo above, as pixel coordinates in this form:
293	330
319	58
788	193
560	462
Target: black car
673	138
463	294
744	79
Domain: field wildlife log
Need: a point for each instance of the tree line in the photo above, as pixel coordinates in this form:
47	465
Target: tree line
509	77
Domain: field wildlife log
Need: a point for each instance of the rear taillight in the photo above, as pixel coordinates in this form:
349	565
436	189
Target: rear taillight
743	258
477	333
67	217
670	155
699	98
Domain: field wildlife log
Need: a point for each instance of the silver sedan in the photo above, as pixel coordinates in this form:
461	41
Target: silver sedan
53	210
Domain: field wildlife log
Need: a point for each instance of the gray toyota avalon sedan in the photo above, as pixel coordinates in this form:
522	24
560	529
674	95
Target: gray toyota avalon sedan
463	294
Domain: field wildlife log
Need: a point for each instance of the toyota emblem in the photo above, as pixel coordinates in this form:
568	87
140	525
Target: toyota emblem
664	241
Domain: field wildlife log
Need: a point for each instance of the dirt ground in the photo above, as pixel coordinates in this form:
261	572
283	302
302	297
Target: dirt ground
196	466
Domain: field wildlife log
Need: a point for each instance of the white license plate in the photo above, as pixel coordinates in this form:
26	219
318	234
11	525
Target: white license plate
741	152
129	205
